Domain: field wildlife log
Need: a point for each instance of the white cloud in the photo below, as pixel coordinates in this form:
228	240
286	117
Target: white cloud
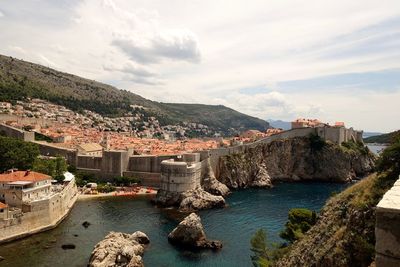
208	51
174	45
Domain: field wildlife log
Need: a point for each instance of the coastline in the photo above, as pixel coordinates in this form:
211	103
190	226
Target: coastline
142	192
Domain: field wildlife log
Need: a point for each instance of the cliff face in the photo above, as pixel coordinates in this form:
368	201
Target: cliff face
294	160
344	233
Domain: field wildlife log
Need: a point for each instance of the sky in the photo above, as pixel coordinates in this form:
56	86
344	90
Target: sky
332	60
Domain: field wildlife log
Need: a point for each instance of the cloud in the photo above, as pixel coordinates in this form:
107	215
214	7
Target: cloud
173	45
271	59
1	14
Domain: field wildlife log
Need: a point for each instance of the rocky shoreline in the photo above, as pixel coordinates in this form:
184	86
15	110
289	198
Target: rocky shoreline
119	250
289	160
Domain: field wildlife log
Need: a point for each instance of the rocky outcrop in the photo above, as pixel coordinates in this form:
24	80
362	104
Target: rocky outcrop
210	184
190	234
198	199
344	234
192	200
293	159
119	249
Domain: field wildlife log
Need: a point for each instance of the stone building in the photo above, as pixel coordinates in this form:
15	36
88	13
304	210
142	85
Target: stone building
90	149
179	176
3	211
20	187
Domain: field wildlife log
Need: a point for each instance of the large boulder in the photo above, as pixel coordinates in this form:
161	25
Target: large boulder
119	250
191	200
190	234
198	199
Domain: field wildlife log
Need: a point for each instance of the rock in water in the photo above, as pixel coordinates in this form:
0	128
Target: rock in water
190	234
198	199
192	200
119	249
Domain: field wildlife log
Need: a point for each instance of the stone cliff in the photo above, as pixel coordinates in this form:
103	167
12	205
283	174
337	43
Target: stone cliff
295	159
344	233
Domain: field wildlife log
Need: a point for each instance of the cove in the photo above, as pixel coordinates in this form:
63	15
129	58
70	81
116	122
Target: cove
247	211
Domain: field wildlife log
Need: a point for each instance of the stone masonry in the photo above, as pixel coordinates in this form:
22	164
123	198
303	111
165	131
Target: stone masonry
387	229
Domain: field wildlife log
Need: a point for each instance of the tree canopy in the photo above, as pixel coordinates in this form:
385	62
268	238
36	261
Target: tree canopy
16	153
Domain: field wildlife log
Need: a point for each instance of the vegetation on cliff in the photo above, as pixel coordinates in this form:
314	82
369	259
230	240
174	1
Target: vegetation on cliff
264	254
344	234
20	79
295	159
383	138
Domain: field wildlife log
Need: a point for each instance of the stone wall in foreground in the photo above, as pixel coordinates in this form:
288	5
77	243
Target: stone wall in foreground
387	229
44	214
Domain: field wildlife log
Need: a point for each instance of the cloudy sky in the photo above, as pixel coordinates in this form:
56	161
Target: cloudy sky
333	60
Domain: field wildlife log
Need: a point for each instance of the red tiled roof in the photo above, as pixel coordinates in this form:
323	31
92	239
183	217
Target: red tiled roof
23	176
3	206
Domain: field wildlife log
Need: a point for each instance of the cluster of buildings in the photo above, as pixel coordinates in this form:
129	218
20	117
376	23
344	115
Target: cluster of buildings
31	201
68	129
136	123
313	123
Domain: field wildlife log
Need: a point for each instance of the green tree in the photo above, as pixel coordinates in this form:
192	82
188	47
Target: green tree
299	222
389	160
261	255
53	167
16	153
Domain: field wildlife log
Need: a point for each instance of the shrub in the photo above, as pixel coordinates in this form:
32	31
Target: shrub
316	142
300	221
105	188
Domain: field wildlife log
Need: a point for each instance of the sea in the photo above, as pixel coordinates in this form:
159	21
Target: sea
247	211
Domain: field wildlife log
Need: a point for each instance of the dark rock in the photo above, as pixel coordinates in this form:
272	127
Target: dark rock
190	234
68	246
86	224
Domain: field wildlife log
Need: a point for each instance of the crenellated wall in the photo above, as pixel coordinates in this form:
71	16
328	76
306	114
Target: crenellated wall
42	215
387	229
180	176
147	168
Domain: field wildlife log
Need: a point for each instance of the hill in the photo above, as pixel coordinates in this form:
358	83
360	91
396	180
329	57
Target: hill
285	125
20	79
383	138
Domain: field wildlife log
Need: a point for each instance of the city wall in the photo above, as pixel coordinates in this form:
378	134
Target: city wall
147	168
387	229
40	215
17	133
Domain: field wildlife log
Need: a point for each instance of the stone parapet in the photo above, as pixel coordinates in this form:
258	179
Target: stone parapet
387	229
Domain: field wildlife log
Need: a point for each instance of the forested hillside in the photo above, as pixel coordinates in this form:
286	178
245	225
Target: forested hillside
20	79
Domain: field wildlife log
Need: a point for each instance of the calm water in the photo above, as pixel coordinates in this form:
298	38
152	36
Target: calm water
376	148
248	211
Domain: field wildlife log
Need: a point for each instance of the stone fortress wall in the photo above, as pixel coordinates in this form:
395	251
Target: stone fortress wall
39	215
387	228
183	174
17	133
147	168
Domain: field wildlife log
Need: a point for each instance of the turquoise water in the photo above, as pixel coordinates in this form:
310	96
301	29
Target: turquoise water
248	211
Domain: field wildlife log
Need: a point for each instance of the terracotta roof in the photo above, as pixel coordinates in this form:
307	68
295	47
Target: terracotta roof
3	206
23	176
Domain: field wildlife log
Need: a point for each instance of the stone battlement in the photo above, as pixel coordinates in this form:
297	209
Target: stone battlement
180	176
387	230
147	168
